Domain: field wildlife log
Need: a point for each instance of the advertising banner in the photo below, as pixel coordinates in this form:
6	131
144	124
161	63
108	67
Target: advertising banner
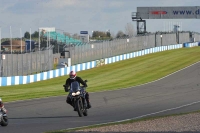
185	12
100	62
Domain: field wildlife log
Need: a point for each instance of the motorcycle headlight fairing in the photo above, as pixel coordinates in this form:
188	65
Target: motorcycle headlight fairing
77	93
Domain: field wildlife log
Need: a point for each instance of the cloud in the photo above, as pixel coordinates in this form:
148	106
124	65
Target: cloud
76	15
60	4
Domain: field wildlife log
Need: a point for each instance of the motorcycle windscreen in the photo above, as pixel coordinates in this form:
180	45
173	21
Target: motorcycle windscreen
75	86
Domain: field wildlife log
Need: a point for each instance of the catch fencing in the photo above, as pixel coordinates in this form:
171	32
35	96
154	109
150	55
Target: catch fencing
40	61
84	52
15	64
16	80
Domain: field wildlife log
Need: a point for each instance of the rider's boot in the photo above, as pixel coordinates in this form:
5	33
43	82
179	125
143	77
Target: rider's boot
74	107
88	104
87	99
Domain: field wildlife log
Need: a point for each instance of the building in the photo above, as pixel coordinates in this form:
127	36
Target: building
18	46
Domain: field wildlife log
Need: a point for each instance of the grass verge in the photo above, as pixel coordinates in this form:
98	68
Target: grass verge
113	76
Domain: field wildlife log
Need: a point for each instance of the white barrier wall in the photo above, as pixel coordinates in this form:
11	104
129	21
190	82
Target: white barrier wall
16	80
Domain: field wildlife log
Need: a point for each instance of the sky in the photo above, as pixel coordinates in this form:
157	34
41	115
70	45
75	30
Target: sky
73	16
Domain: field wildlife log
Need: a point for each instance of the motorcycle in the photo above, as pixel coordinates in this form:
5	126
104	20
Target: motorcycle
3	118
77	96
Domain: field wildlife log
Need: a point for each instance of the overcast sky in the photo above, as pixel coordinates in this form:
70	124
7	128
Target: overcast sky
74	16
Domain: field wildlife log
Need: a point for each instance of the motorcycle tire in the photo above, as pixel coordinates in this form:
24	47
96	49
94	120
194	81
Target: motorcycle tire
4	121
79	108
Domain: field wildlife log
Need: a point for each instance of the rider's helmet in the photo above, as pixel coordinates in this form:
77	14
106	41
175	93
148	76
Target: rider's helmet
72	75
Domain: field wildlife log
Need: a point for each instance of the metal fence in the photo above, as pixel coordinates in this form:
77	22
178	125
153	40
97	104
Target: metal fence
16	64
84	52
40	61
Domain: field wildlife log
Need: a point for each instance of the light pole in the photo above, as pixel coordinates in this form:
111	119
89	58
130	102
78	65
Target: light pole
0	39
176	29
59	38
10	39
161	39
1	56
92	35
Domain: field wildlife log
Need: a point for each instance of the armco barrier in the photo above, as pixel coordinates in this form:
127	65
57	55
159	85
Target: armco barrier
16	80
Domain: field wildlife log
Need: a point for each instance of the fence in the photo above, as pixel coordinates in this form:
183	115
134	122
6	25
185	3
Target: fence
84	52
40	61
16	80
13	64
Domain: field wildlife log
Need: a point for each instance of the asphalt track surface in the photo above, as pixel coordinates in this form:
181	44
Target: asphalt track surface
176	93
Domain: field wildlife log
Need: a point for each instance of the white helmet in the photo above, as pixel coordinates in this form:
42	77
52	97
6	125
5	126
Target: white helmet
0	99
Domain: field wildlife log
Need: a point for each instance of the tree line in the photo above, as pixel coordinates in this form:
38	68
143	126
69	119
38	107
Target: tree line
129	31
34	35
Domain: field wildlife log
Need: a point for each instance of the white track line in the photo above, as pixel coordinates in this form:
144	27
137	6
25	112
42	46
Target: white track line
139	116
150	113
112	90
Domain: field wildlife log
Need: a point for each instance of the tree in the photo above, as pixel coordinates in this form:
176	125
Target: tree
101	34
129	29
120	34
108	34
35	34
26	35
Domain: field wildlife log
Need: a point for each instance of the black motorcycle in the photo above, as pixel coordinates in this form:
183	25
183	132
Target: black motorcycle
77	96
3	118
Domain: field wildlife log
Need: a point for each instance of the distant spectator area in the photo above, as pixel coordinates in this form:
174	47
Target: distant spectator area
61	37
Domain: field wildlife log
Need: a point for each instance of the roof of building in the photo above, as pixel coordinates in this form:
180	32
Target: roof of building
14	43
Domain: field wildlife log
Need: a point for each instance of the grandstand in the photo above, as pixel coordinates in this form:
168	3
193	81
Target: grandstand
61	37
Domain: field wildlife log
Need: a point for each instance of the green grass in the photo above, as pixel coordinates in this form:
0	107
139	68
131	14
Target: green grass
113	76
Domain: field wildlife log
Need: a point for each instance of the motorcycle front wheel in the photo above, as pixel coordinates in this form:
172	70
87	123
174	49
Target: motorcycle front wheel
4	121
79	107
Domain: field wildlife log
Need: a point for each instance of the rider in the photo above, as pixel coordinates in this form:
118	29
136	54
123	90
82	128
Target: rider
72	78
2	106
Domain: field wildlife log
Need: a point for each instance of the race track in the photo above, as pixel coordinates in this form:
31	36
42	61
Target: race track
179	92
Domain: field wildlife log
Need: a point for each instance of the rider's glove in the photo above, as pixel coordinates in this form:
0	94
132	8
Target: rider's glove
66	88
